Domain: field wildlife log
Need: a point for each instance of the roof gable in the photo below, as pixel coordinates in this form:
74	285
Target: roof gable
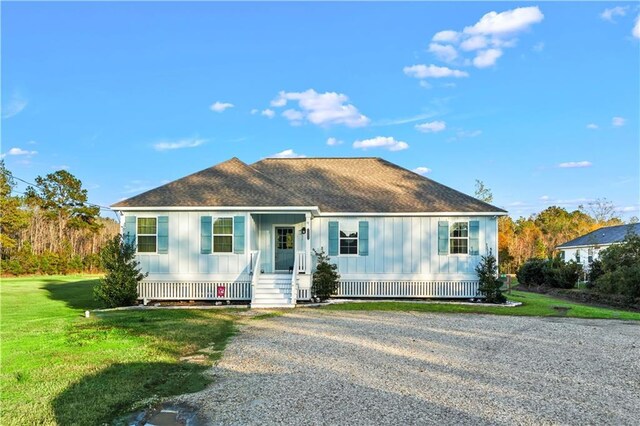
603	236
367	185
228	184
359	185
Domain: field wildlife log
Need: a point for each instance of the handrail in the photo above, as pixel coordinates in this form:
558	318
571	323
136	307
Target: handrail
294	282
256	275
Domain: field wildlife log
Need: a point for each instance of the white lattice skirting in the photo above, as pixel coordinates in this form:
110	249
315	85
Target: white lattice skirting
210	290
431	289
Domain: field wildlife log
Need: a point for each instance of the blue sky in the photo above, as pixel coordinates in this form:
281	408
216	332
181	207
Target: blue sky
540	101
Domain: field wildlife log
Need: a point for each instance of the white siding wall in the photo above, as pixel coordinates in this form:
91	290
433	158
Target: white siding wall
184	262
570	254
405	248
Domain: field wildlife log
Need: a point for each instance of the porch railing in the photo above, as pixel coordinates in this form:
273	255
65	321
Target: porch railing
301	262
255	272
294	281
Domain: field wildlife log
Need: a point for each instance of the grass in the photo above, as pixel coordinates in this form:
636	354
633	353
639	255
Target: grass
533	304
61	368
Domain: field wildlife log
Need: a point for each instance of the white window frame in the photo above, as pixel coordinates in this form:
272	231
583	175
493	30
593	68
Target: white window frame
340	238
138	235
458	238
214	235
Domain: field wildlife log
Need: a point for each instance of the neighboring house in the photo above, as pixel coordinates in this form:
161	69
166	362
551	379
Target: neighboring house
246	232
587	248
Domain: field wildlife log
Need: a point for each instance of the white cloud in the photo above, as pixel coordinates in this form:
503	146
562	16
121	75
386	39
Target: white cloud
490	35
421	170
447	36
538	47
636	28
618	121
255	111
220	106
433	71
287	153
333	142
269	113
431	127
469	133
179	144
425	84
609	14
405	120
20	151
446	53
294	116
322	109
544	198
14	105
474	43
381	142
592	126
575	164
486	58
508	22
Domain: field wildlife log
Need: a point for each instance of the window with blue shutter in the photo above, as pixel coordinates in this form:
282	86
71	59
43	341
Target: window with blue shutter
333	238
129	234
474	237
363	238
205	234
443	237
238	234
163	234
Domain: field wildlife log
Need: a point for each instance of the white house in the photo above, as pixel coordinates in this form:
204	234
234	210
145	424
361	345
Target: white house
246	232
587	248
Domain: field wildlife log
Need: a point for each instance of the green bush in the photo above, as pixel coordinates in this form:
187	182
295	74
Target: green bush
531	273
595	272
326	278
489	284
620	269
119	287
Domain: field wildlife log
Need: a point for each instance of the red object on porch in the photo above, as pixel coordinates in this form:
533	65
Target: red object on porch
221	291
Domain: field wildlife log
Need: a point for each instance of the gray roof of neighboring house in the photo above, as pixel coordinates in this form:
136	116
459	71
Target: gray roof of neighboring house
333	184
603	236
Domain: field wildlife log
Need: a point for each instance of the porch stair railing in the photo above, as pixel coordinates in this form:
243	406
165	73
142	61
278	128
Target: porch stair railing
255	273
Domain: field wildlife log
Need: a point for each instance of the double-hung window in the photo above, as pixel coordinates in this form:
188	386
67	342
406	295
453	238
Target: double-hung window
223	235
147	234
459	238
348	241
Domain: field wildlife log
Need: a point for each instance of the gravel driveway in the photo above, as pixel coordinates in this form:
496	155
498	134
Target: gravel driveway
321	367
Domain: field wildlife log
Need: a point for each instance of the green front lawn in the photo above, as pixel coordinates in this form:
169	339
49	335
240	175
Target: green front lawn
533	304
61	368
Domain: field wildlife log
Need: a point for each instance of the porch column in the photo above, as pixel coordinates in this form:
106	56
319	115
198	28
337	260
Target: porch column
307	224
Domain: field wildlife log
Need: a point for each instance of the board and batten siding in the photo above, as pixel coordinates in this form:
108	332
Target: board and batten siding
183	261
405	248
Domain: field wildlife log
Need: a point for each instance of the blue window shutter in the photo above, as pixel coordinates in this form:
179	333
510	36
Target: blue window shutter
205	234
238	234
333	238
163	234
363	238
129	235
474	237
443	237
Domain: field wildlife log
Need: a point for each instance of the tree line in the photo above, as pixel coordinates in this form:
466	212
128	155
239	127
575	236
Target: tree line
537	236
51	228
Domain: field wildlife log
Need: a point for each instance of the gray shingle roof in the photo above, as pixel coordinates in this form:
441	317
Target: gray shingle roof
603	236
367	185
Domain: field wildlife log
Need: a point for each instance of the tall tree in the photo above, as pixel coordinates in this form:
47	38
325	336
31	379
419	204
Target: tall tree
482	192
63	200
603	211
13	217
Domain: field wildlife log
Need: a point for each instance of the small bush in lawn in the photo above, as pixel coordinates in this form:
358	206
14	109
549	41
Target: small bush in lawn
560	274
595	272
531	273
119	287
325	278
490	285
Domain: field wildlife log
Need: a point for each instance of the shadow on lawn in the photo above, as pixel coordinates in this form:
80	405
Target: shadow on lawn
110	393
76	294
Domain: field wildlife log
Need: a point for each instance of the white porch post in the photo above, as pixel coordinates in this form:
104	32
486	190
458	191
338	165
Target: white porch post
307	224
